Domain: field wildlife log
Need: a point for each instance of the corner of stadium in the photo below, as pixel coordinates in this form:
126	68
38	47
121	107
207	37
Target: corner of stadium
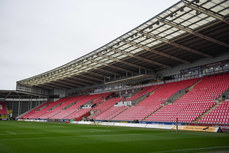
170	73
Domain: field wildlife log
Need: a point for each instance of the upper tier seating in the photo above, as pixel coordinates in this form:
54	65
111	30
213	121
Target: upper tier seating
195	102
219	114
153	102
3	109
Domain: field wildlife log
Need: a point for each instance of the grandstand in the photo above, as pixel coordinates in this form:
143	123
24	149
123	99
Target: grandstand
172	67
3	109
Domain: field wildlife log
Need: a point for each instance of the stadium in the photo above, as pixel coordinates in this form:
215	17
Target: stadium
161	87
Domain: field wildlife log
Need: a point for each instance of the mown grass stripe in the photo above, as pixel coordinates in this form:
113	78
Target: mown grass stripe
193	149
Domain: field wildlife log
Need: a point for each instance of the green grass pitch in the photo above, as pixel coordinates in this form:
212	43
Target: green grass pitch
30	137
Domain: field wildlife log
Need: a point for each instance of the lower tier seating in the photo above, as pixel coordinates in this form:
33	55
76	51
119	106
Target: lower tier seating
78	113
220	114
105	106
33	111
74	106
63	107
112	112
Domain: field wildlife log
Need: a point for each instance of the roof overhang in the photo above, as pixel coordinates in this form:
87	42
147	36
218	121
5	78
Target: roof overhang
186	32
5	95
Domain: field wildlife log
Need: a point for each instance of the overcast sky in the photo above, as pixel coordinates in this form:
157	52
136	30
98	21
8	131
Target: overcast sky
39	35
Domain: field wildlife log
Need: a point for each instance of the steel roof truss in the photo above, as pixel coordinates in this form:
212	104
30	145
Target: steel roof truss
205	11
56	86
66	82
157	52
76	81
86	82
177	45
134	56
194	33
115	67
130	64
92	78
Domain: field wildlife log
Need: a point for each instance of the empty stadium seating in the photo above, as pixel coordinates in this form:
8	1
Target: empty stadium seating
33	111
64	107
3	109
105	106
62	114
193	104
199	104
58	106
40	113
112	112
153	102
78	113
71	112
220	114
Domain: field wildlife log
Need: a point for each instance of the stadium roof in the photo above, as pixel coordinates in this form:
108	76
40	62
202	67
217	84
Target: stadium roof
186	32
12	94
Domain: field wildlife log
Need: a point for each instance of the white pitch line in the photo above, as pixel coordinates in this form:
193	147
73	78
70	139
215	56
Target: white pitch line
193	149
37	138
11	132
19	133
30	133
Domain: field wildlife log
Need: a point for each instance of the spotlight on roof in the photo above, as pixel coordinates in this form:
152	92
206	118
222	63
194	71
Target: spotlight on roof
197	1
182	9
157	22
150	27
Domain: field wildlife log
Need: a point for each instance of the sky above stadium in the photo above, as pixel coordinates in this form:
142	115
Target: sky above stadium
39	35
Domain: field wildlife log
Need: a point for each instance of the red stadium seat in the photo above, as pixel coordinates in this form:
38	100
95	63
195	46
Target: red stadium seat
3	108
195	102
153	102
